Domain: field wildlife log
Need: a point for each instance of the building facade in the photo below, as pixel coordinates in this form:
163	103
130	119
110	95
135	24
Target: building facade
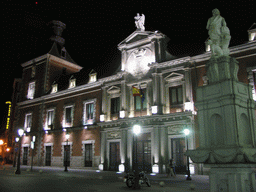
154	90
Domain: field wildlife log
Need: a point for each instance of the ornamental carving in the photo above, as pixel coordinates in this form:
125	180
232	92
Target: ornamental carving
114	135
176	129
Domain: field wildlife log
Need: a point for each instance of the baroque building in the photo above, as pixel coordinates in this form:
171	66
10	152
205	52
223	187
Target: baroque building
153	89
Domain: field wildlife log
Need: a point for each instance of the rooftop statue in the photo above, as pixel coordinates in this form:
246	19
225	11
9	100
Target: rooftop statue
139	22
219	34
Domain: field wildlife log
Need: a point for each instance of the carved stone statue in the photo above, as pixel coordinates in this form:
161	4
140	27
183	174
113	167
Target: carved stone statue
219	34
139	22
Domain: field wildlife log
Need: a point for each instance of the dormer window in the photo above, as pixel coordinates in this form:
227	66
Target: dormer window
72	83
92	76
63	52
54	88
252	32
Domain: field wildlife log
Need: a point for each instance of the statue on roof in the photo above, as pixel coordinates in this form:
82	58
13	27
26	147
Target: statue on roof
219	34
139	22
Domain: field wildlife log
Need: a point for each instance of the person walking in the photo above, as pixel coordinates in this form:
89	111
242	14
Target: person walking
170	169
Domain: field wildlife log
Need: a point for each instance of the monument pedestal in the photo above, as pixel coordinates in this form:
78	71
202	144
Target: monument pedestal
227	135
232	177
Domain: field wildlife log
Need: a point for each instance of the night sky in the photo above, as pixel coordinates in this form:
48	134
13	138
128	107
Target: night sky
95	28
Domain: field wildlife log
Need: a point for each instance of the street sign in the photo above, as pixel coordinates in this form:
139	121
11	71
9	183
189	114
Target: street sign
32	145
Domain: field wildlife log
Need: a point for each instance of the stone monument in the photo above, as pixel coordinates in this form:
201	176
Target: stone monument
227	135
139	22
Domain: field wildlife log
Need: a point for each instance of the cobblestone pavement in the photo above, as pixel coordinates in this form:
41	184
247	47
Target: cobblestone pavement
54	179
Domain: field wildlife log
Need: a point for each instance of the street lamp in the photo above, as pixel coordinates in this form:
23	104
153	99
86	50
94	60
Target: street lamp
20	133
186	132
136	131
66	155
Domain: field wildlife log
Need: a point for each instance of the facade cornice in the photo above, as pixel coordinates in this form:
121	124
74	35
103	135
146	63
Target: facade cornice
62	94
64	62
159	120
233	50
30	62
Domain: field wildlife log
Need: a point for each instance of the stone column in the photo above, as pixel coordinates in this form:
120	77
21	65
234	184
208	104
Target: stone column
103	144
164	149
156	149
129	149
123	97
131	110
123	148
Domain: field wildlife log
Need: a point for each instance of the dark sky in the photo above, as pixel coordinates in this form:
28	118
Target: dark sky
95	28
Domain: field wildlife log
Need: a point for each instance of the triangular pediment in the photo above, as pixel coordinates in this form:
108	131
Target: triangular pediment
113	90
136	36
174	76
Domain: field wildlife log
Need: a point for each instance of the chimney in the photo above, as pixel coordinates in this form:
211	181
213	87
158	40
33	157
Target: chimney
58	28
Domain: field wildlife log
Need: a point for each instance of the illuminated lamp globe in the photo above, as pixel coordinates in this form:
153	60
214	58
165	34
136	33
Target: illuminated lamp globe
186	131
136	129
20	132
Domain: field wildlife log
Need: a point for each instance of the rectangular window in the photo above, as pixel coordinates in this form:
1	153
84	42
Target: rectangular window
28	122
176	95
68	116
50	118
115	105
140	102
89	113
31	90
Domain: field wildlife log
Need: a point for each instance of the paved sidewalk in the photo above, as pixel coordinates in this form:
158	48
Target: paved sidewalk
106	181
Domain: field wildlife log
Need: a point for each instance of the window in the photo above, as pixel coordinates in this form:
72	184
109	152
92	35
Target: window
28	122
31	90
115	105
140	102
176	95
50	119
54	88
72	83
68	116
89	113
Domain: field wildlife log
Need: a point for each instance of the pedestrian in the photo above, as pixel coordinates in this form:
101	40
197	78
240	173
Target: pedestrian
170	169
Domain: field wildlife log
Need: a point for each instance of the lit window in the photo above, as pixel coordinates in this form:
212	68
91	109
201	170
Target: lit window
28	122
68	116
115	105
89	113
176	95
49	119
31	90
54	88
140	102
72	83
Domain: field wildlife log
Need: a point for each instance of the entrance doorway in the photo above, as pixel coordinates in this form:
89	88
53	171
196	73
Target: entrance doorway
88	155
177	150
144	152
25	155
114	156
48	154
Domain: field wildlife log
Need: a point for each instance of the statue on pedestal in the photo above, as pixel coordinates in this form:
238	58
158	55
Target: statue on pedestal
139	22
219	34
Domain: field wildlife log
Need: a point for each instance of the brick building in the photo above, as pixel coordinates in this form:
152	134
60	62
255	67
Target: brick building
153	89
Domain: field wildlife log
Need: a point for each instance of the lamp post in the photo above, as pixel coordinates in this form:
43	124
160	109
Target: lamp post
20	133
15	150
186	132
66	155
136	131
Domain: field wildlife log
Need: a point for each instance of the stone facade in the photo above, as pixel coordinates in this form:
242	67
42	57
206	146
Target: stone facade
167	84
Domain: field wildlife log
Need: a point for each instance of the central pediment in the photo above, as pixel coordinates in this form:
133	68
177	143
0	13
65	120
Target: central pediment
139	37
